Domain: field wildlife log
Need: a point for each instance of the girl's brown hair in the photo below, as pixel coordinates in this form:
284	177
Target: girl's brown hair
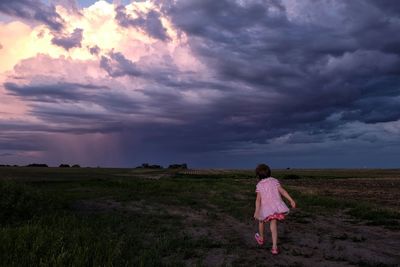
263	171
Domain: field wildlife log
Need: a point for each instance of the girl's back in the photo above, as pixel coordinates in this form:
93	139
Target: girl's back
271	201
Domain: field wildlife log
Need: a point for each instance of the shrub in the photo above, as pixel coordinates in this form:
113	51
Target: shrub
64	166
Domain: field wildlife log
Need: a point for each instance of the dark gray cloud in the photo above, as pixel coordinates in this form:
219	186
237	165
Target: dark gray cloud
118	65
69	41
388	6
149	22
19	145
94	50
6	154
70	5
316	70
87	108
14	141
33	10
53	92
163	73
311	80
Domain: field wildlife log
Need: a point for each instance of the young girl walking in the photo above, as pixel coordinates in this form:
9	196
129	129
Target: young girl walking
269	205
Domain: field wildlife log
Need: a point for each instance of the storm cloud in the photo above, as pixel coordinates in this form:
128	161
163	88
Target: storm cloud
34	10
235	83
314	68
118	65
95	50
150	22
69	41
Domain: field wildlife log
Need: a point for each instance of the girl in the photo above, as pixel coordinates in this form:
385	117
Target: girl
269	205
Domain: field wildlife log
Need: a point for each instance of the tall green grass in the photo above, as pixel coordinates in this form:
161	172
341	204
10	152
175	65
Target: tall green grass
19	203
38	230
359	210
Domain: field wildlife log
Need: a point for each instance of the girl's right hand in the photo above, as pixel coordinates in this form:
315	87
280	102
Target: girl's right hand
293	204
255	215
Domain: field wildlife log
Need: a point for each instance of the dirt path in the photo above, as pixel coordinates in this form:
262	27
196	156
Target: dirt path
326	241
321	241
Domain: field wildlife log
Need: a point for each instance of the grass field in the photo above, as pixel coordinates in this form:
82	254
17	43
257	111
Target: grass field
138	217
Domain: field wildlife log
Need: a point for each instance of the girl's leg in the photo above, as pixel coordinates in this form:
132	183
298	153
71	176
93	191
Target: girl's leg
274	233
261	229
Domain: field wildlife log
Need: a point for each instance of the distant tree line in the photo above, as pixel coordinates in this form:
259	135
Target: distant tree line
148	166
67	166
178	166
37	165
7	165
42	165
143	166
154	166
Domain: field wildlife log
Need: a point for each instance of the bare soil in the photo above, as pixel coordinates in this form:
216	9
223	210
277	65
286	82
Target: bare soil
304	239
320	241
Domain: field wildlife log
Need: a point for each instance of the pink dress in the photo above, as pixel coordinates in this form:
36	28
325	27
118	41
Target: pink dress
272	205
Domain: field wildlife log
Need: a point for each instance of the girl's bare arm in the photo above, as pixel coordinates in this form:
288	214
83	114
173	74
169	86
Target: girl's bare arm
287	196
258	204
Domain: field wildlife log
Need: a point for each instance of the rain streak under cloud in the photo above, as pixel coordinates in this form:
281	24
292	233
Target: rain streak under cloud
211	83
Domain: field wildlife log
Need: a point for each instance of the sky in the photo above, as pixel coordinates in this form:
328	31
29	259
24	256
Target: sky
214	84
